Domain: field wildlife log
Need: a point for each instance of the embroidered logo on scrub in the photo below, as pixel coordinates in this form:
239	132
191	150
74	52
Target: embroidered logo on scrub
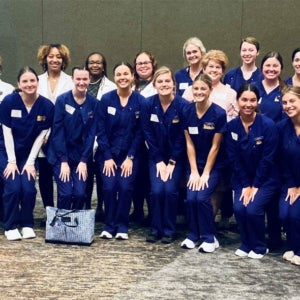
209	126
259	140
175	120
41	118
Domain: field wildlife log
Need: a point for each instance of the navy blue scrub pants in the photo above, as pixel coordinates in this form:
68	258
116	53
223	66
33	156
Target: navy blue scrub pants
251	219
71	194
117	194
290	218
200	215
19	197
164	200
46	181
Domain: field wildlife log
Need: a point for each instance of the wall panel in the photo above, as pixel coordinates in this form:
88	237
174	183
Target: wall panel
121	28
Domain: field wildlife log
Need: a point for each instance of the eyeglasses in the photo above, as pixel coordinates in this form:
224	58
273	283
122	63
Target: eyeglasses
98	63
143	63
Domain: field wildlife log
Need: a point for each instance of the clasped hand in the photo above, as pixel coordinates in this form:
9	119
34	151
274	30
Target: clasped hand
248	194
164	171
197	182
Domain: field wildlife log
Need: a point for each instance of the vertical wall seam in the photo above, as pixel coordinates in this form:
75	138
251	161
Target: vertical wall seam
141	26
42	17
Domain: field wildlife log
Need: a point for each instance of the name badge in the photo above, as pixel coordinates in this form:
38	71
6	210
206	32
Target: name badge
69	109
111	110
183	85
16	113
234	136
193	130
154	118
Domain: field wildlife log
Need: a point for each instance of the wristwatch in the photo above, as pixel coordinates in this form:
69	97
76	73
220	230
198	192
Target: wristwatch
172	162
131	157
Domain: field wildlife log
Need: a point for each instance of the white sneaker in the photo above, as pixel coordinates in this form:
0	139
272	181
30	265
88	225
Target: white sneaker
188	244
28	233
241	253
209	247
106	235
217	245
122	236
254	255
288	255
295	260
13	235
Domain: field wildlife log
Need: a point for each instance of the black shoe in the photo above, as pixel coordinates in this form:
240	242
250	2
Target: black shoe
168	239
43	223
152	238
136	217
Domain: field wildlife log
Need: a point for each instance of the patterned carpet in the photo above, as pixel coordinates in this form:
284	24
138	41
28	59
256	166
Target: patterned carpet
134	269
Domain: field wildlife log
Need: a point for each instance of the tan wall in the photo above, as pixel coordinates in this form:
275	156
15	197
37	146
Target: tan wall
121	28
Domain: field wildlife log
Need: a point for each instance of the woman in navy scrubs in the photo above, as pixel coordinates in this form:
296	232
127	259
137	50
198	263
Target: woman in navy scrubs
119	138
252	141
26	118
72	139
193	50
248	72
295	79
204	124
270	105
161	121
289	156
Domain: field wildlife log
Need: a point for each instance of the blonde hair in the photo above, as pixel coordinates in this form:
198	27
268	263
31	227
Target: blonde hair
196	42
163	70
295	90
216	55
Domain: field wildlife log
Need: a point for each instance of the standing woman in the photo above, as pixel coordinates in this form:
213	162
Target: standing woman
204	126
119	137
161	120
269	88
99	84
26	118
145	66
71	141
193	50
289	156
270	104
295	79
252	141
214	64
54	58
5	89
248	72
